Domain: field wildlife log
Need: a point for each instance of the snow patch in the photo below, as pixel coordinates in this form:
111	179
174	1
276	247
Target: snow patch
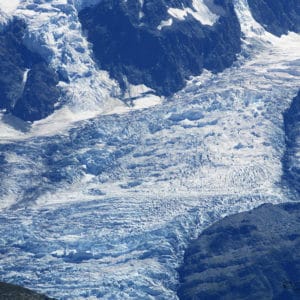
199	11
134	91
166	23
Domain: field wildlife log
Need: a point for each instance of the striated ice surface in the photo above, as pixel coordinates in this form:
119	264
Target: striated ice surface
104	209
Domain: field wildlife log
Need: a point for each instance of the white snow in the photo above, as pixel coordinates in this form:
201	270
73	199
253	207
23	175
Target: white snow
249	26
177	13
25	76
7	9
199	11
147	101
203	14
134	91
166	23
9	6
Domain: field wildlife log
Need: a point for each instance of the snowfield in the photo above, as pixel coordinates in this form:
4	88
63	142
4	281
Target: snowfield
102	205
9	6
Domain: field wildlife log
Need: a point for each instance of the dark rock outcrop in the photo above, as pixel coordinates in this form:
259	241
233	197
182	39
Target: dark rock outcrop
251	255
132	47
28	86
40	94
277	16
14	292
291	160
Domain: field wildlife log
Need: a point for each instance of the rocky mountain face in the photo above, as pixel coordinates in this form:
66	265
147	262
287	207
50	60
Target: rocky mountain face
14	292
251	255
291	162
161	43
277	17
28	86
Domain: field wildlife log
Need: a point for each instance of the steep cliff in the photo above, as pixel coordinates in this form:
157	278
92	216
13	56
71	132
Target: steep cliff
278	17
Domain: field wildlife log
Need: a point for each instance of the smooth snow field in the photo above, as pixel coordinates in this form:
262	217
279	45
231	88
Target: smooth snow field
101	203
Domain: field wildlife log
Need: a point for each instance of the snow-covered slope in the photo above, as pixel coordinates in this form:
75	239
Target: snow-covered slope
199	11
105	209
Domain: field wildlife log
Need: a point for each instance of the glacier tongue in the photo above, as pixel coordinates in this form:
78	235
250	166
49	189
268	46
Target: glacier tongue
106	208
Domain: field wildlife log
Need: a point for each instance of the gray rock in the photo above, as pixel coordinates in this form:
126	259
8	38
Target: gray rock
291	160
31	99
14	292
277	16
251	255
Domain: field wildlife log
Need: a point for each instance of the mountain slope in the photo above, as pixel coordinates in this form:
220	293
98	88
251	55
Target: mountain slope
279	17
252	255
27	85
158	44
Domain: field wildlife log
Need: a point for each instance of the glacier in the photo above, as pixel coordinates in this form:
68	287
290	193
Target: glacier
100	199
